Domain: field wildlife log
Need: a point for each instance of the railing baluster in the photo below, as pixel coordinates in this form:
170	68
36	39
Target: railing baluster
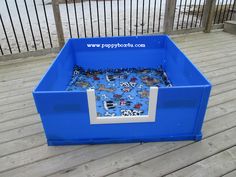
5	32
180	6
105	18
228	9
13	28
68	18
220	11
203	8
118	17
130	21
159	18
149	4
124	19
31	29
198	10
91	17
76	19
137	18
231	15
143	15
22	28
82	6
188	13
194	7
112	33
40	31
185	4
216	13
226	3
46	18
154	16
1	50
99	34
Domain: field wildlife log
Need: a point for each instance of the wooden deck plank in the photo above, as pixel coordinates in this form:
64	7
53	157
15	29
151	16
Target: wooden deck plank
214	54
206	50
21	122
21	132
194	53
10	69
162	165
210	57
216	44
64	160
216	165
25	61
18	113
22	144
25	72
205	41
33	155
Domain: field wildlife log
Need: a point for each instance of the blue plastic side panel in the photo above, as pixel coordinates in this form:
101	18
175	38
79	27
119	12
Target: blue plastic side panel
180	69
151	55
59	73
202	109
66	120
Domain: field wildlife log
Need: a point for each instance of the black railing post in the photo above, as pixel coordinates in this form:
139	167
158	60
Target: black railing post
169	16
233	13
57	17
208	15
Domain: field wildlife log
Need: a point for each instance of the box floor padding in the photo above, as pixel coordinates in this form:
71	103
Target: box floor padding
119	92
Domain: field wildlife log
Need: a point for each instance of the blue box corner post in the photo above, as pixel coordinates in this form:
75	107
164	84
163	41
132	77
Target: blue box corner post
177	114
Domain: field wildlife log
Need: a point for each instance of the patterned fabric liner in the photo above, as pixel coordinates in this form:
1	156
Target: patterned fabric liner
119	92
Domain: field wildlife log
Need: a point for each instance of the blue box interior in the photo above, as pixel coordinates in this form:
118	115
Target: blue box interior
180	109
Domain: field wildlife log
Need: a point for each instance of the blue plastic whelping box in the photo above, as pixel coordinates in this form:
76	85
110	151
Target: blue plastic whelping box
175	113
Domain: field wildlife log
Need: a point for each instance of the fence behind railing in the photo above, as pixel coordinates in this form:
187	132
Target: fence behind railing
29	25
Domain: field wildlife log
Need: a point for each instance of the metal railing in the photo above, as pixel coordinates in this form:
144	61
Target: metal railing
25	26
189	14
31	25
113	18
223	11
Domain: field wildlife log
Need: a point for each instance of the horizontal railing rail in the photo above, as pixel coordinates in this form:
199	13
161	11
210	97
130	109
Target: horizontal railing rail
36	25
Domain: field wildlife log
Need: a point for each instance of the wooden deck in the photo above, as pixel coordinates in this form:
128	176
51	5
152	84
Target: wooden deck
24	152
